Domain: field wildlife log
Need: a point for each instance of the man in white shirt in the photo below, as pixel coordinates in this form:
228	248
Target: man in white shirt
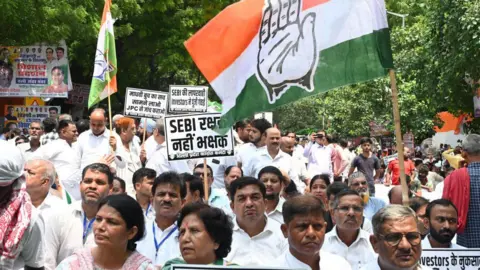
347	239
298	165
40	176
441	218
216	197
349	155
271	156
142	182
320	157
72	229
274	183
395	239
232	173
160	243
304	228
35	131
159	160
257	239
256	136
242	129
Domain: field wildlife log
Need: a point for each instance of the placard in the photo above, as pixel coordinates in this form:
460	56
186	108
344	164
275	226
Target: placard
38	70
188	99
24	115
192	136
79	94
451	259
264	115
219	267
145	103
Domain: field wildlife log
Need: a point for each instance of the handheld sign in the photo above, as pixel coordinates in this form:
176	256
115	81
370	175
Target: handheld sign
192	136
145	103
185	99
451	259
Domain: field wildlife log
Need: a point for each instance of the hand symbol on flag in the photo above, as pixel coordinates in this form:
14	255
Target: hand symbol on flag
288	55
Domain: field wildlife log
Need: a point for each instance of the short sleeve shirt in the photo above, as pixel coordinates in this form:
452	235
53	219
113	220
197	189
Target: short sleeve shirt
394	167
366	165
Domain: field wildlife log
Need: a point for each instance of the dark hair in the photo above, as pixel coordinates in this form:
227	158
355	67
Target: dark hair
366	140
246	181
101	168
325	177
417	202
241	124
82	125
60	49
423	168
172	178
53	109
335	188
131	213
49	49
57	68
272	170
22	137
343	143
195	183
229	168
291	190
64	124
139	174
49	124
218	225
302	205
200	165
442	202
343	193
9	107
121	181
261	124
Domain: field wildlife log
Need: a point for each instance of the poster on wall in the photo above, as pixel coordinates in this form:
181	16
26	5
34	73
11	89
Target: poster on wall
24	115
35	71
79	94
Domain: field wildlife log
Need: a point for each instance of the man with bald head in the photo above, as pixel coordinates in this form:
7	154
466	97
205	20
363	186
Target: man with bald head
40	175
271	156
287	145
95	143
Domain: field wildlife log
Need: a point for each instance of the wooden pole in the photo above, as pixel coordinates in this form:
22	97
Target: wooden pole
205	179
398	134
144	130
110	116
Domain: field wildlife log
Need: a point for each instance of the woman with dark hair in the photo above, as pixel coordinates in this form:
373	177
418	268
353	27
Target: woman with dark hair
318	187
119	223
205	236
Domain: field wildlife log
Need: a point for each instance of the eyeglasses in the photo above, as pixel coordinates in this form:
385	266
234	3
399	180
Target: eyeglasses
414	238
356	184
345	208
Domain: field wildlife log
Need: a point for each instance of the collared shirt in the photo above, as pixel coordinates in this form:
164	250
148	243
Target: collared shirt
276	214
262	159
159	162
64	234
319	159
470	238
426	244
48	137
32	245
218	198
91	148
259	250
151	146
170	249
373	265
247	151
51	203
358	254
130	163
328	261
64	159
372	207
27	150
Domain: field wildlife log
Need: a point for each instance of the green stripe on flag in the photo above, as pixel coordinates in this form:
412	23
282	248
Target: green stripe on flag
353	61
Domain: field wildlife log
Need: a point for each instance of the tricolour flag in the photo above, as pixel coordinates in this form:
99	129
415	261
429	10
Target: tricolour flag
260	54
104	80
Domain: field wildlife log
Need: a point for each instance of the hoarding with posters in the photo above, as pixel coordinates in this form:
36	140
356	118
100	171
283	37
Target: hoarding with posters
35	71
79	94
24	115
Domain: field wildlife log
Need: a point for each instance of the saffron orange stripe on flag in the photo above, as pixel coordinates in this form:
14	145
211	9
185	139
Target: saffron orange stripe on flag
106	8
223	39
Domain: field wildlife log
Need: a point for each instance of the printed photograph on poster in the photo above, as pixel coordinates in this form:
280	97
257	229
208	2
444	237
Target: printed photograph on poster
192	136
79	94
185	99
39	70
451	259
145	103
24	115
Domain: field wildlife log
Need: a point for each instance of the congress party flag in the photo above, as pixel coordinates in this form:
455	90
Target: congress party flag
260	54
104	80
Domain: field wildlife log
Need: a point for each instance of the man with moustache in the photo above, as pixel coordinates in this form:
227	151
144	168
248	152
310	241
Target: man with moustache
287	145
142	181
358	182
257	138
347	239
160	243
442	222
396	240
304	228
35	131
71	229
242	128
274	183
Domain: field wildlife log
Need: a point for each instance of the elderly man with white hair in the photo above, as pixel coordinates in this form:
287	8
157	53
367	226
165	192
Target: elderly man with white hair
21	226
358	181
40	175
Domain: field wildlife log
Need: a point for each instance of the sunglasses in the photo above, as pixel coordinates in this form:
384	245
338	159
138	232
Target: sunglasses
393	239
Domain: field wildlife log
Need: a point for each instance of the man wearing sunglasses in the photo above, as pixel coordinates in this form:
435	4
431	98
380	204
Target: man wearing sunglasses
396	239
347	239
320	157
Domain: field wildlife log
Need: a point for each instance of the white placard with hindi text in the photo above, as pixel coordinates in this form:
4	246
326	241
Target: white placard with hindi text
451	259
192	136
188	99
145	103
